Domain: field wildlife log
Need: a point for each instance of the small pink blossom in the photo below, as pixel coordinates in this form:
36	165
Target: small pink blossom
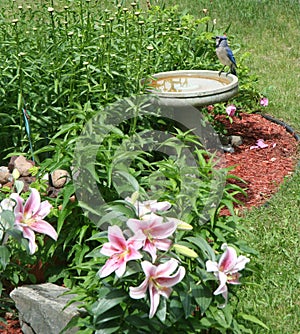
259	144
210	107
29	218
264	102
155	232
227	270
158	281
120	251
231	109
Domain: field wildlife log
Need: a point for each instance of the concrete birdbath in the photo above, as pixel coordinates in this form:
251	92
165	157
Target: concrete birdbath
195	87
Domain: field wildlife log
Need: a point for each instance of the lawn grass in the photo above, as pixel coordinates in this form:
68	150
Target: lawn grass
269	30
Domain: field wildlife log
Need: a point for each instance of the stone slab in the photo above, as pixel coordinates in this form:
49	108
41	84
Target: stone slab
41	308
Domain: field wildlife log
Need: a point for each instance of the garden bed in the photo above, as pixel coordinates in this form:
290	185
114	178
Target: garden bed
262	169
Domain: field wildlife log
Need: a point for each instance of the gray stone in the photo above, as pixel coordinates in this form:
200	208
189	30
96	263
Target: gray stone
59	178
236	140
23	165
41	308
5	175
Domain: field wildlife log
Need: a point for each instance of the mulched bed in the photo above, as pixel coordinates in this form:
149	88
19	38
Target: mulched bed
11	327
262	169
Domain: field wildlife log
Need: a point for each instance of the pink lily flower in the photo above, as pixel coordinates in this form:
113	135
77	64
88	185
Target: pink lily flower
227	270
264	102
120	251
231	109
155	233
29	218
259	144
158	281
146	207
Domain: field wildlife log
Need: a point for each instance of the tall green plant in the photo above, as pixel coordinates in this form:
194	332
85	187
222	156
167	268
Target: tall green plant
64	63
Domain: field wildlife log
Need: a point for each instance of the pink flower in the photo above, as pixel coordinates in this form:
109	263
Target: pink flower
259	144
154	231
227	270
210	107
146	207
231	109
120	251
29	218
158	281
264	102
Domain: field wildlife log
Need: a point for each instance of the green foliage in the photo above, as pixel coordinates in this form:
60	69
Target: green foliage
64	65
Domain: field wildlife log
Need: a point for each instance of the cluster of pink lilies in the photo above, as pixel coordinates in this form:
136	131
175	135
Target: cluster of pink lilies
150	233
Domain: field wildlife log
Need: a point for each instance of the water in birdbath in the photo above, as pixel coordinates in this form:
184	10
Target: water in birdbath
187	83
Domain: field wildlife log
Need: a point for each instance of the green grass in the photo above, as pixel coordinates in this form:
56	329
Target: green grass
275	234
269	30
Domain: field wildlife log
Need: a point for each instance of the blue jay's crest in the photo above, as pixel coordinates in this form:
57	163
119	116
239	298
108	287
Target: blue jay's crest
225	54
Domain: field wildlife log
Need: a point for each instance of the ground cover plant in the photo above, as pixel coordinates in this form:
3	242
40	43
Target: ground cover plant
63	64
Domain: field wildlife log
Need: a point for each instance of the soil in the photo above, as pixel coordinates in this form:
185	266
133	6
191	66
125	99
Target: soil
262	169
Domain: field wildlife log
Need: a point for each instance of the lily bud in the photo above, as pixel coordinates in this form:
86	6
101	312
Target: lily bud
185	251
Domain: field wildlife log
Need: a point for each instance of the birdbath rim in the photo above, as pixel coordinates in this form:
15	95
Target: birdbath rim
192	83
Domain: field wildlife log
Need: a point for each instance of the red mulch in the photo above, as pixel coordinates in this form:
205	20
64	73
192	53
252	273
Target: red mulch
11	327
262	169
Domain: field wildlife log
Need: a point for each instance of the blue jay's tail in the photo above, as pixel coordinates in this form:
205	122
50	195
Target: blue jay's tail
233	69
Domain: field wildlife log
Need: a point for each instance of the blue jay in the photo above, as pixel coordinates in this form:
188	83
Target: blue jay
225	54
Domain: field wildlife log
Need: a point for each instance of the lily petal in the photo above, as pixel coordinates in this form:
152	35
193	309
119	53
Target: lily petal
139	291
172	280
33	202
240	263
42	226
29	234
228	259
211	266
154	299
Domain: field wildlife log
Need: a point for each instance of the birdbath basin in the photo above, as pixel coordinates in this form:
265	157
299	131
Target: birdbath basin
196	87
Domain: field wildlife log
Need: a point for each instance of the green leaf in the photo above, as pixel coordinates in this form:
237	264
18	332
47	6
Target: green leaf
186	301
161	312
112	299
204	246
220	317
8	217
4	256
253	319
202	295
19	185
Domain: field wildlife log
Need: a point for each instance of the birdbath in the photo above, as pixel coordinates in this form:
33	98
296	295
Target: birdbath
195	87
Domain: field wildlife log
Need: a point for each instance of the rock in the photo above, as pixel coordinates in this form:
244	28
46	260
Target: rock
236	140
5	175
224	139
59	178
21	164
41	310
